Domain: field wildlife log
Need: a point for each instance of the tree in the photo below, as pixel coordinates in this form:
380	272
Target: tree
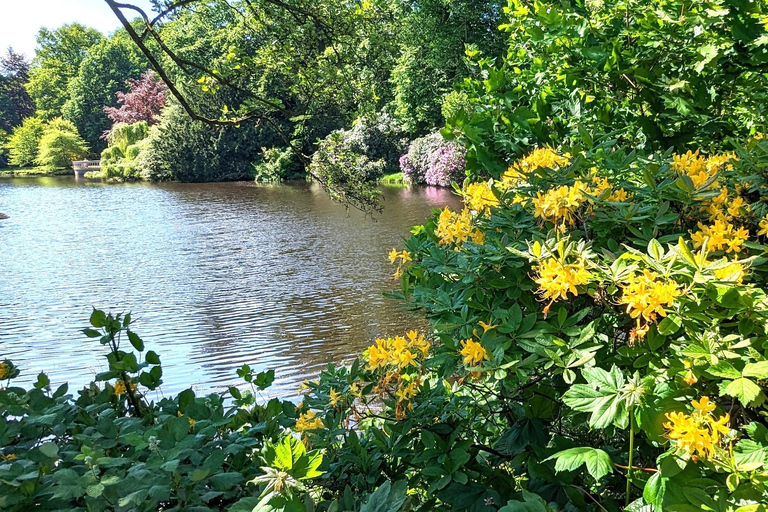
102	73
58	56
15	103
143	101
25	141
60	145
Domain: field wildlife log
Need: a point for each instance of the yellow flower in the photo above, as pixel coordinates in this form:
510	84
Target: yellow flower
645	296
355	390
556	280
473	352
406	358
479	197
407	391
698	434
10	456
4	371
619	196
721	235
560	204
120	387
486	327
308	421
335	398
763	226
456	228
704	406
733	272
690	378
393	255
539	158
405	257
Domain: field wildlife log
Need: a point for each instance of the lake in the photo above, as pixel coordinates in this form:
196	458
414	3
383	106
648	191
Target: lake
216	275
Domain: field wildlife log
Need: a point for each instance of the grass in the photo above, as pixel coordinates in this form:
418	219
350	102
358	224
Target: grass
33	171
393	179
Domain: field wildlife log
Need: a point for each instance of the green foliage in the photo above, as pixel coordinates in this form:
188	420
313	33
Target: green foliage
669	73
614	302
24	143
432	36
60	145
277	164
120	161
101	73
57	59
110	448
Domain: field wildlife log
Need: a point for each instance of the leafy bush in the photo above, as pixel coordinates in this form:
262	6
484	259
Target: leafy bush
670	73
60	145
600	332
434	161
24	142
119	160
277	164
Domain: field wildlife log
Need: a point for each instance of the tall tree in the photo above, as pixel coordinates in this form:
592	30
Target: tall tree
142	102
15	103
58	56
103	71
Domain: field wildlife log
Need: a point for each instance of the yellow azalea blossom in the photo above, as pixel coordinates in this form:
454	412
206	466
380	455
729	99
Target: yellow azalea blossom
479	197
355	390
703	406
694	166
5	372
619	196
405	257
308	421
486	327
473	352
397	351
763	227
539	158
733	272
556	280
407	391
690	378
10	456
721	235
393	254
645	295
560	204
335	398
120	387
406	358
456	228
699	433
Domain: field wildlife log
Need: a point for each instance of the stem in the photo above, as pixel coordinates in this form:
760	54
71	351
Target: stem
631	453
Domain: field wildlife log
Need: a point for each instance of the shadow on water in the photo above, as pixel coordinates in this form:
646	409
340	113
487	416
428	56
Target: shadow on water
218	275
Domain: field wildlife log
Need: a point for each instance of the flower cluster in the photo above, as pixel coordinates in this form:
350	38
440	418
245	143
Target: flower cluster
724	208
403	256
473	353
645	295
5	371
120	387
479	197
698	433
558	205
434	161
721	235
456	228
399	352
539	158
702	171
556	279
733	272
308	421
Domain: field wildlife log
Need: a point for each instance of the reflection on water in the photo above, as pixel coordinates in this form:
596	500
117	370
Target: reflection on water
217	275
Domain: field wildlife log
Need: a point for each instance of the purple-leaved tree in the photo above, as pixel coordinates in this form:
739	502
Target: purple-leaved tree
142	102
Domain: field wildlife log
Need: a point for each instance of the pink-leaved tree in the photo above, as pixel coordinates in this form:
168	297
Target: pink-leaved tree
142	102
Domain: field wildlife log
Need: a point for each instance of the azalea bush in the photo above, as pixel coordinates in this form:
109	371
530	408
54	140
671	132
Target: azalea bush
432	160
597	341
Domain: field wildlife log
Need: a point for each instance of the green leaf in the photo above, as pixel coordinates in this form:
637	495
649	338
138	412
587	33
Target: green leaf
601	396
50	450
199	474
91	333
757	370
152	357
654	489
744	389
724	370
135	341
95	491
598	462
98	318
387	498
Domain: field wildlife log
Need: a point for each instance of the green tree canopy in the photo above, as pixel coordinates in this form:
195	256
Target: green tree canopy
24	141
58	56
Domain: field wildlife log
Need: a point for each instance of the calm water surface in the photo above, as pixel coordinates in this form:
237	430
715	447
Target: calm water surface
216	275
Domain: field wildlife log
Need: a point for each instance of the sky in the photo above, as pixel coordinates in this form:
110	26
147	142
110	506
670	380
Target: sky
21	19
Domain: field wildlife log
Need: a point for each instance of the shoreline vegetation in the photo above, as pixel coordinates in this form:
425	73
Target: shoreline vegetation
598	308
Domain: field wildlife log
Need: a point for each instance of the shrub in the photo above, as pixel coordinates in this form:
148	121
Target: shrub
434	161
277	164
600	326
576	70
60	145
24	142
119	161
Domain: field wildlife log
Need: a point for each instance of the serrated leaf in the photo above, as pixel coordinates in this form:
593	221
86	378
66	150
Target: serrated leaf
744	389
